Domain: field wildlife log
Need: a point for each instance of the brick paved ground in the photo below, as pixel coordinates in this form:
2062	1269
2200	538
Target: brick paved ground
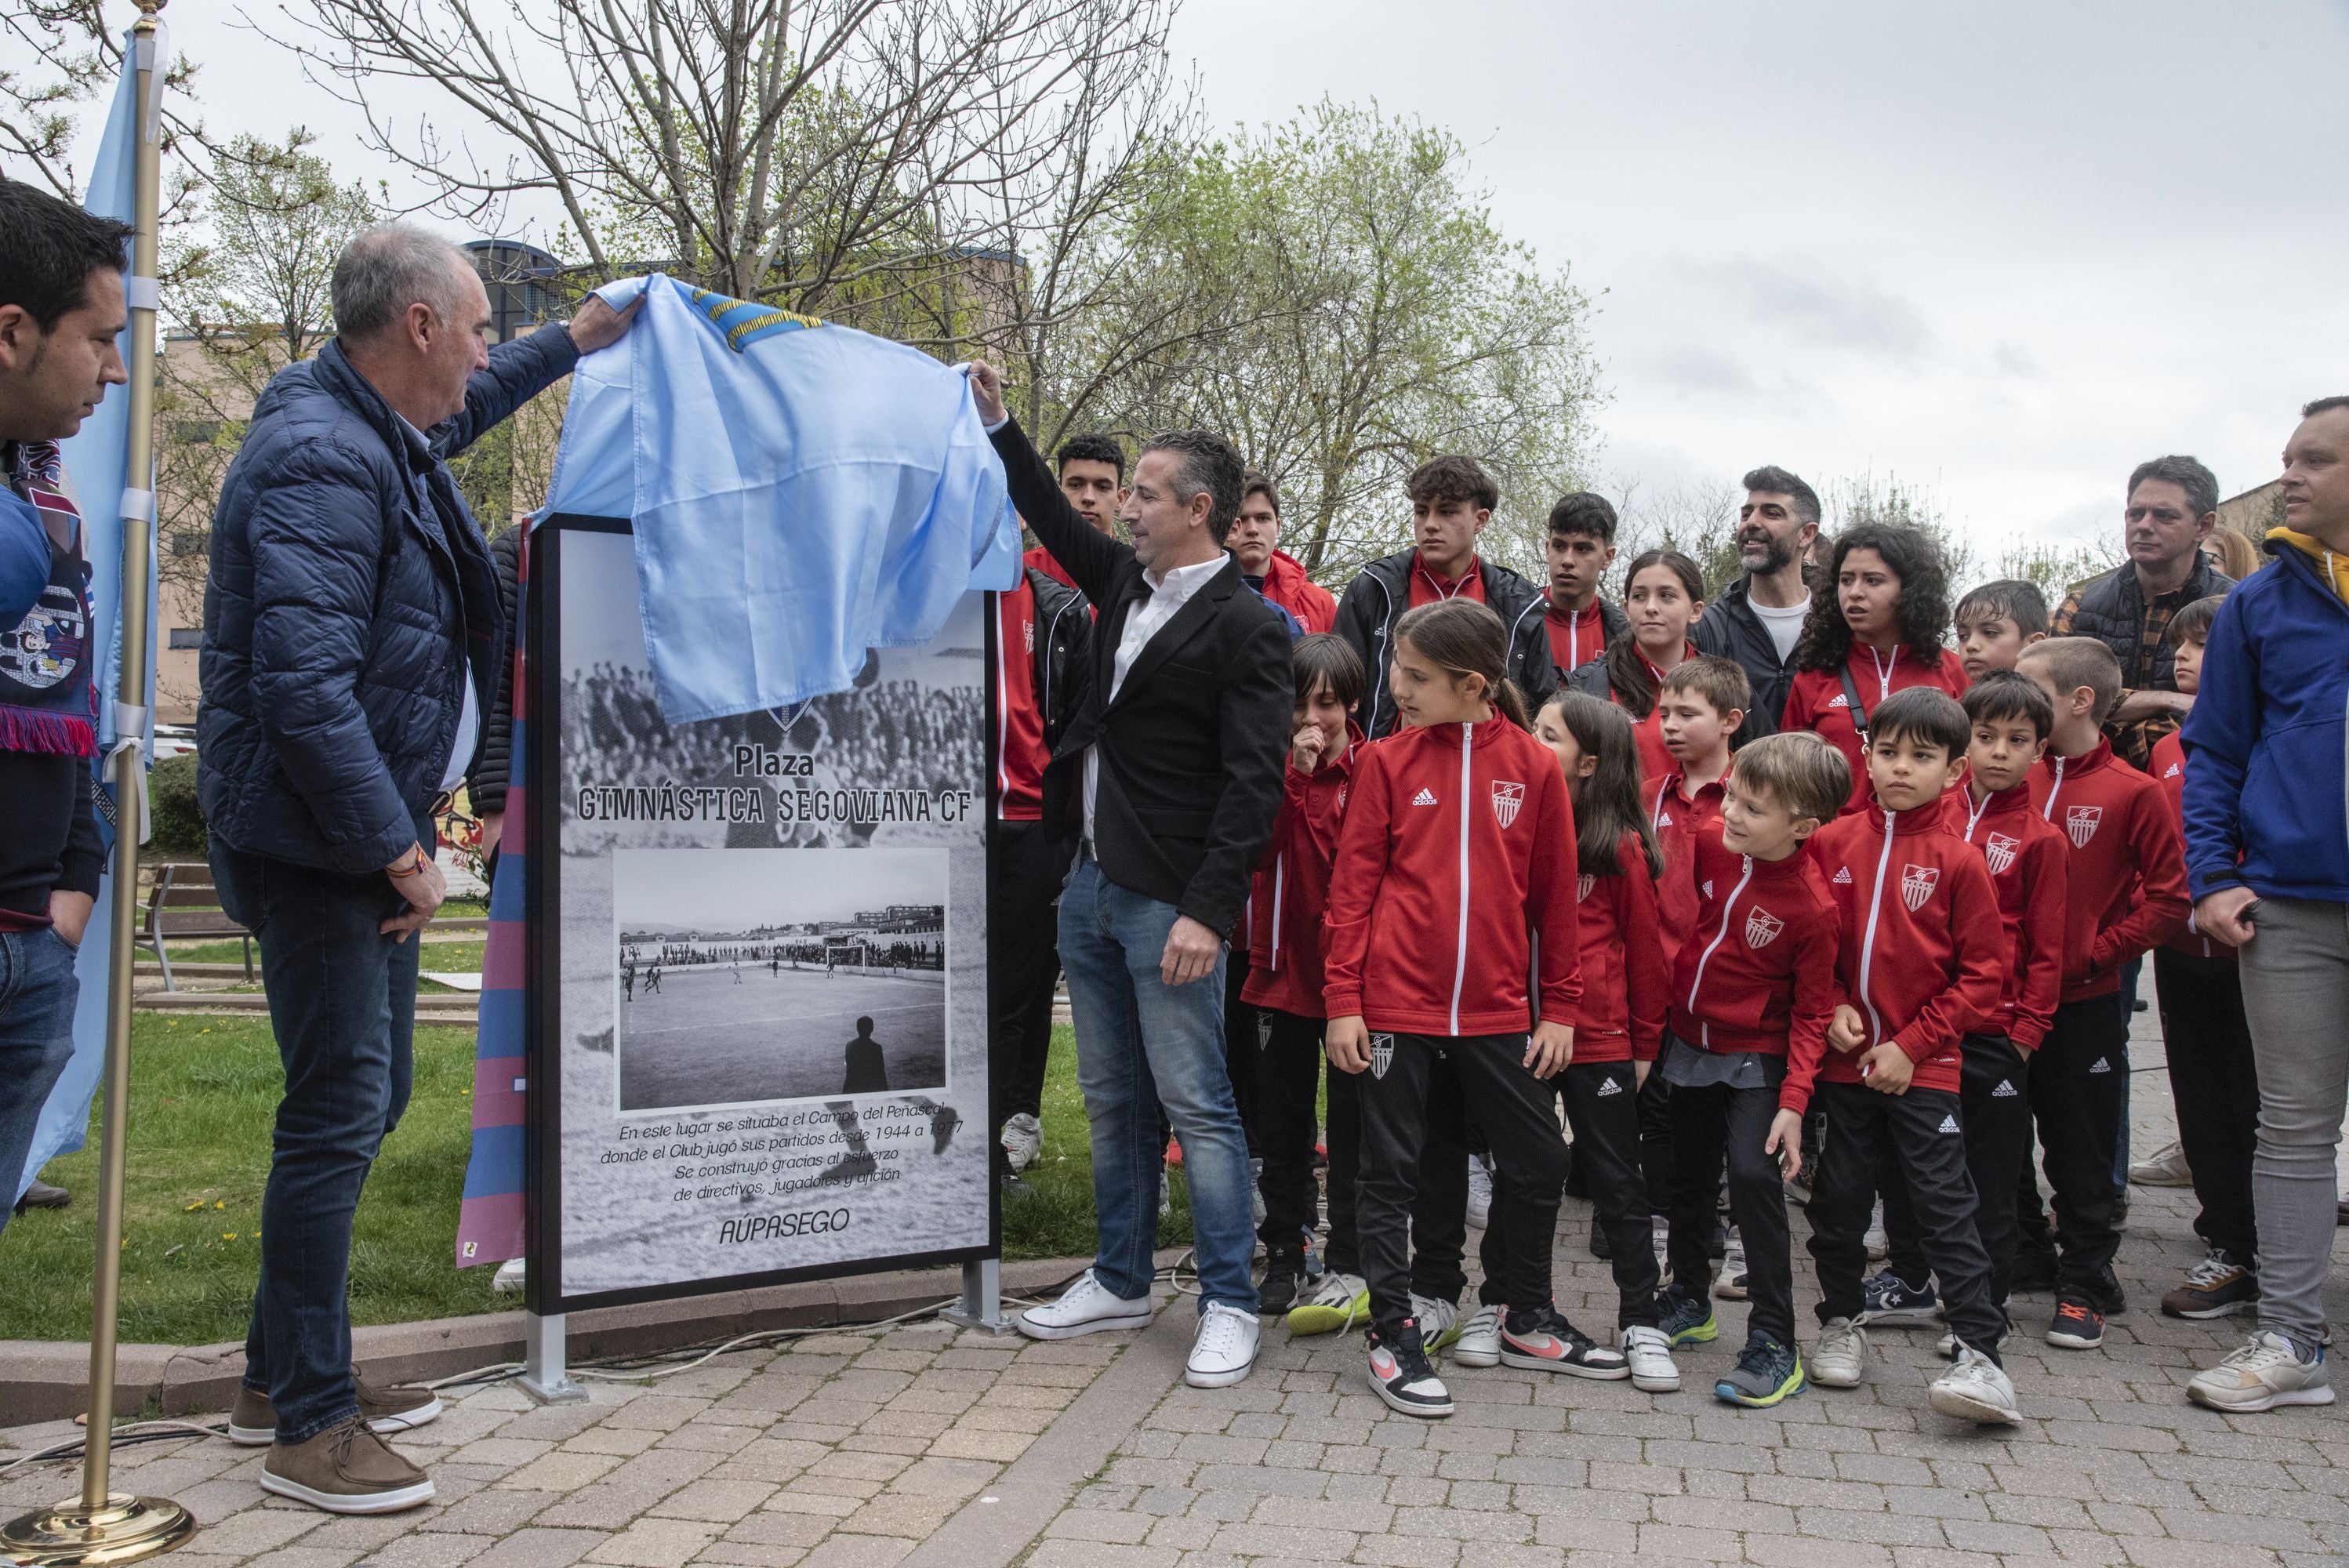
923	1448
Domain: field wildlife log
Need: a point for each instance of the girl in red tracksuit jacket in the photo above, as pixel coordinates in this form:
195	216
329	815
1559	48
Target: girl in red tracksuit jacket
1284	980
1458	841
1621	1025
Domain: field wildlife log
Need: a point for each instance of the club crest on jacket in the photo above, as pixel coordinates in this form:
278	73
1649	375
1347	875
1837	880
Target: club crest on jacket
1917	883
2080	822
1381	1055
1582	886
1762	927
1507	801
1998	851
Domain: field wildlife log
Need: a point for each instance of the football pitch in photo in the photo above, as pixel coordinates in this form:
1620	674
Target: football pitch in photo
723	1033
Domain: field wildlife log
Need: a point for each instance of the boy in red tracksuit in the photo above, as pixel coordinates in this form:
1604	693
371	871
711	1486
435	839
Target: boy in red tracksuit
2212	1077
1458	840
1285	978
2127	895
2029	863
1751	995
1920	965
1702	705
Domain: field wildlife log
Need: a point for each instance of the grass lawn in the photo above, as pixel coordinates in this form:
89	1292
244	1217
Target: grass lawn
203	1093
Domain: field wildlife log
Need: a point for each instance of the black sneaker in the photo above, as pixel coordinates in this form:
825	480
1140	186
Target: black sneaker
1600	1247
1893	1300
1767	1373
2218	1285
1284	1274
1684	1319
1540	1339
2077	1326
1401	1375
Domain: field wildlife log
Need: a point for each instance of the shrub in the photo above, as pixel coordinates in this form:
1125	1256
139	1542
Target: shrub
172	804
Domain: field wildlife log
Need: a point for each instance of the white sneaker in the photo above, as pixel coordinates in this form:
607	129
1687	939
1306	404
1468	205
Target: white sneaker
1225	1349
1945	1347
1660	1232
1439	1322
1479	1343
2165	1167
1839	1360
1255	1193
1649	1353
2264	1373
1975	1390
1337	1304
1023	1140
512	1275
1878	1244
1085	1307
1731	1283
1480	1191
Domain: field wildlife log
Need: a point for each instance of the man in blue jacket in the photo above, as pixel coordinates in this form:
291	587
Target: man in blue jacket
2267	855
350	619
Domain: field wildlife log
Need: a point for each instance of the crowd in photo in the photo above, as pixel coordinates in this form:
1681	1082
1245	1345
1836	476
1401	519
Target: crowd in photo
1828	884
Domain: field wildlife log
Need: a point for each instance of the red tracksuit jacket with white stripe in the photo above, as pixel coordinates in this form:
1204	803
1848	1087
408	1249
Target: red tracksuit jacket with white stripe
2030	866
1625	980
1816	701
1292	886
1759	973
1922	954
1688	831
1457	837
2166	768
2128	865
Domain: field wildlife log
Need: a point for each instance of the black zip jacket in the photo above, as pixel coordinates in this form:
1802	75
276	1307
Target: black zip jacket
1731	629
1377	597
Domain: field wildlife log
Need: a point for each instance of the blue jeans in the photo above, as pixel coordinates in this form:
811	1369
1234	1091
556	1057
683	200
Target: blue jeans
342	1001
37	991
1141	1043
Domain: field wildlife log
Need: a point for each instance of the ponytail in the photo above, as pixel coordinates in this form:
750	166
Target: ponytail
1463	638
1628	679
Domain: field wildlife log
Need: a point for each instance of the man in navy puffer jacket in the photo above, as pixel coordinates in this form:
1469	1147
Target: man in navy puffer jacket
349	623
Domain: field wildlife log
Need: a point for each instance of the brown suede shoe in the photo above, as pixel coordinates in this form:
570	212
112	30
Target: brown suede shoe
252	1421
346	1468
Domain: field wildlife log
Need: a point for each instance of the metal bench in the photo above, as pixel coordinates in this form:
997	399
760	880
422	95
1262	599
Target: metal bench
184	905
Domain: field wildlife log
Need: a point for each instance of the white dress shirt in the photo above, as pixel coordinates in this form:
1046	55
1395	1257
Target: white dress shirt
1169	591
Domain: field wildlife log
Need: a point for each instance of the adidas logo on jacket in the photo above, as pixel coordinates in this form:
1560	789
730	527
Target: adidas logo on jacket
2030	869
2128	881
1494	855
1922	954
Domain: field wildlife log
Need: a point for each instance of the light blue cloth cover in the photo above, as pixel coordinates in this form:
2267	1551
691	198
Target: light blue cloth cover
802	492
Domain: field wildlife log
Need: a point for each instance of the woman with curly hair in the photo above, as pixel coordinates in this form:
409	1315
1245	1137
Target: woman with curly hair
1876	632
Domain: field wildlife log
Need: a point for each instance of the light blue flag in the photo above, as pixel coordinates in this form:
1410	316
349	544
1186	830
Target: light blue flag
801	493
96	462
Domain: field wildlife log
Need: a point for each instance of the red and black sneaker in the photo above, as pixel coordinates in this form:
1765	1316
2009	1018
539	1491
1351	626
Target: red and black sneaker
1400	1373
1540	1338
2077	1326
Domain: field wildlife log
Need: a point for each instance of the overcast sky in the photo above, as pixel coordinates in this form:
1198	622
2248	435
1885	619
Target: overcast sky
2004	251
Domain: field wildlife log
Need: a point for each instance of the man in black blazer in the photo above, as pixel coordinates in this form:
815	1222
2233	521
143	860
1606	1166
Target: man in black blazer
1170	774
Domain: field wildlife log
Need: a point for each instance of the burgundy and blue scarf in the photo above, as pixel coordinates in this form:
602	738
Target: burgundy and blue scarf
47	702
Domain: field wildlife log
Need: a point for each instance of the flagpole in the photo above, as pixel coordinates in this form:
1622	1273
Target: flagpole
104	1526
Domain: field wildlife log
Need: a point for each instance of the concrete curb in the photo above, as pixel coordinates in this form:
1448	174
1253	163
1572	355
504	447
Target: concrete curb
48	1380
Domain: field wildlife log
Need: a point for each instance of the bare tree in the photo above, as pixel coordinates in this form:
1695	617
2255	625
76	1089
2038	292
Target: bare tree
56	54
836	157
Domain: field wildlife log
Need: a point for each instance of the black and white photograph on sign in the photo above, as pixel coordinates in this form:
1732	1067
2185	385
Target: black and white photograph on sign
772	1019
748	978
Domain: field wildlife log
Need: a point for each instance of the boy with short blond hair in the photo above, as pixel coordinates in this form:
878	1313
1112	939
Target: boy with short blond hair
1752	991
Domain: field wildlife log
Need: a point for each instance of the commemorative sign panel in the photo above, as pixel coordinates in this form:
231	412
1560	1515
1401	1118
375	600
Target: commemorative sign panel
759	1042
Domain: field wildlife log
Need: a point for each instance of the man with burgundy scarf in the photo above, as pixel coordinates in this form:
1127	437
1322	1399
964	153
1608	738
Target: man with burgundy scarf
61	309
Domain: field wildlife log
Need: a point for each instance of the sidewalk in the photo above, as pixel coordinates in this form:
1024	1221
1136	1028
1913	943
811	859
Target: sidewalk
926	1447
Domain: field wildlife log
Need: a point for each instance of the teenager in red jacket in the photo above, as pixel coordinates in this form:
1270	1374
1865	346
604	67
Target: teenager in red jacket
1270	570
1617	1029
2128	893
1664	594
1751	995
1284	980
1878	633
1458	840
2208	1040
1920	965
2029	864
